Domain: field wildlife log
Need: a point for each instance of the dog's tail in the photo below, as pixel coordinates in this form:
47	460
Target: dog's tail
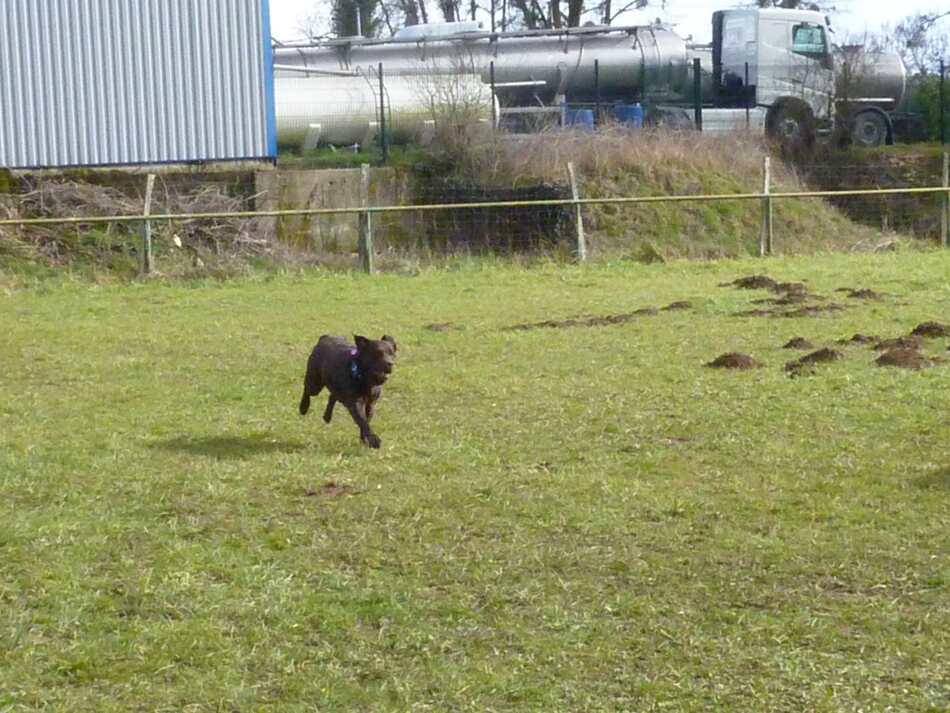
305	401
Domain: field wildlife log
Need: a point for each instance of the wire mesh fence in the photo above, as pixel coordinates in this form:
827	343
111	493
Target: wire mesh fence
349	221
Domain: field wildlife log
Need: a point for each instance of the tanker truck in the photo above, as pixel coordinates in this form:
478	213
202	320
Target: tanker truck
771	70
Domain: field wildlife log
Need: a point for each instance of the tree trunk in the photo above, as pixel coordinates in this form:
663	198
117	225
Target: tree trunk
574	10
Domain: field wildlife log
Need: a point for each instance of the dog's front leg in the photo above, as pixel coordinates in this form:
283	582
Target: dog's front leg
328	414
357	410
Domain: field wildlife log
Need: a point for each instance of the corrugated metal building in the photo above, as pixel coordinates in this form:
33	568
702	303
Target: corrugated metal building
106	82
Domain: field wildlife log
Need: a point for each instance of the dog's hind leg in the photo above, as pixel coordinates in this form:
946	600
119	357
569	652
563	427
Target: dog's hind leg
328	414
311	387
304	401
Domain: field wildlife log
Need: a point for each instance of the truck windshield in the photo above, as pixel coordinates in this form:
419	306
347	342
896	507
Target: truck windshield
809	40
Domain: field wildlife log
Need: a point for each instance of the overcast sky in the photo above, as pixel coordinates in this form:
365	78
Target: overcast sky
691	17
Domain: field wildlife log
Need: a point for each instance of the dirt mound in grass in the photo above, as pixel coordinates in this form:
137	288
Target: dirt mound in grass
753	282
904	358
733	360
791	298
812	311
861	293
755	313
798	343
860	339
594	321
910	342
818	357
764	282
932	330
682	304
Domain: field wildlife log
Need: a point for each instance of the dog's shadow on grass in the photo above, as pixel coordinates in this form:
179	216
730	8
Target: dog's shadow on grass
229	446
939	480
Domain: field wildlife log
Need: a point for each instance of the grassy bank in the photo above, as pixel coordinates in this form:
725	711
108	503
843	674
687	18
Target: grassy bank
609	163
561	517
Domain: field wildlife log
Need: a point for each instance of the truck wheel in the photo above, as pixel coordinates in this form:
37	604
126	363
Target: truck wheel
792	125
869	129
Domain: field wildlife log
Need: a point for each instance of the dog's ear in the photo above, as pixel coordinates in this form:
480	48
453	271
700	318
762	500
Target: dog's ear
387	338
361	342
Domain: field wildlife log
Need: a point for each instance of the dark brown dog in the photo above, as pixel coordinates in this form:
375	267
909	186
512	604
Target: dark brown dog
354	376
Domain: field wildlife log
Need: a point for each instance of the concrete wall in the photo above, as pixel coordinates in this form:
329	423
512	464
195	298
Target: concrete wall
331	188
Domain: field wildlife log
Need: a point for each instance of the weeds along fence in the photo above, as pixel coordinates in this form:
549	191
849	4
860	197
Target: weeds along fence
559	219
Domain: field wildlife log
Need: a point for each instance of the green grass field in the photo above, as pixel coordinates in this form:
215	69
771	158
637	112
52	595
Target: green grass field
560	519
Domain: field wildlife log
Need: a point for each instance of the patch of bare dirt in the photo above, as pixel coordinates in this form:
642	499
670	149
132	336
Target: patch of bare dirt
818	357
588	321
682	304
904	358
331	490
733	360
812	311
441	327
806	311
792	298
931	330
909	342
861	293
798	343
755	313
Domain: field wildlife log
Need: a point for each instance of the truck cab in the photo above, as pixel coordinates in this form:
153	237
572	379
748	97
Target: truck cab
783	62
780	61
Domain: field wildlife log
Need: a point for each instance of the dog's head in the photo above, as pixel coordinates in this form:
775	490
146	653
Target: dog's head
376	358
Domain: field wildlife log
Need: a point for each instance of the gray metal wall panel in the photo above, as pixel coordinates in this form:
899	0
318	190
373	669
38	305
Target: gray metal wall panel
104	82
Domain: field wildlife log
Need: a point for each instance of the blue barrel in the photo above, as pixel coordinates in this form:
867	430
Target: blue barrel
581	119
630	115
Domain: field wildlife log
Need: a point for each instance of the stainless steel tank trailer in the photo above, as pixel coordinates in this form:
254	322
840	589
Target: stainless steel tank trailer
771	70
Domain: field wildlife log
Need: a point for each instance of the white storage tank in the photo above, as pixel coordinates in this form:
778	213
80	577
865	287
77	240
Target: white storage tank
344	110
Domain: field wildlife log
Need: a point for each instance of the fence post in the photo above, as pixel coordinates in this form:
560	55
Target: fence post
491	77
765	239
578	218
366	223
147	238
384	144
697	94
597	92
945	213
943	103
745	89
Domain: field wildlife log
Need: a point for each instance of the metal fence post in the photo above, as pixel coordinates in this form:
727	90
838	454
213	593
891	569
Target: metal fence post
578	218
147	237
697	95
597	92
943	103
366	223
491	77
745	89
765	239
945	212
383	142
